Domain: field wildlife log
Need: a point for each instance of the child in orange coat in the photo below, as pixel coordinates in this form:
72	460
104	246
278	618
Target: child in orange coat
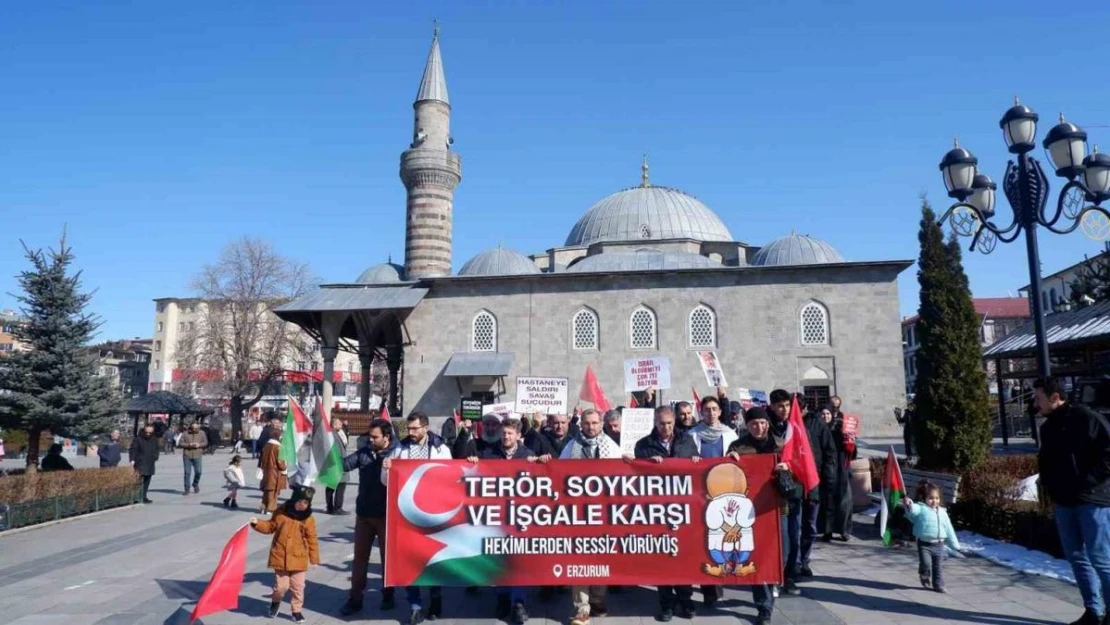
293	550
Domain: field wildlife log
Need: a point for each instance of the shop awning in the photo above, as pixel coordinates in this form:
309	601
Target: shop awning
463	364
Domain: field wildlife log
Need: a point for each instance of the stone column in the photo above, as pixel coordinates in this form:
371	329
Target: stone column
329	354
367	362
393	361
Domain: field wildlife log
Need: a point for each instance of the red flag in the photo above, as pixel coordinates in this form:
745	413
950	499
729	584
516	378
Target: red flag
697	400
632	403
797	452
591	391
222	592
385	411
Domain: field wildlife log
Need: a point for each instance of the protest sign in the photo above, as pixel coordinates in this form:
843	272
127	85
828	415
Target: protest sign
546	395
504	409
471	409
514	523
714	376
636	423
644	373
851	424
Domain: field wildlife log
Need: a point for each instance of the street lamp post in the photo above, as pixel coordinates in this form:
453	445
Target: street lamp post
1026	188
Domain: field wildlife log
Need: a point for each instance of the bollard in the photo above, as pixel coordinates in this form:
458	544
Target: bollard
861	483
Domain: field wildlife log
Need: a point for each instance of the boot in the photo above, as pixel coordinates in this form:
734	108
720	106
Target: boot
503	607
435	607
234	505
227	502
520	613
274	607
387	599
416	617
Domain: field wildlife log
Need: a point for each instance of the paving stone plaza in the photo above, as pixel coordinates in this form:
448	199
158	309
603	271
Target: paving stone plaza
146	565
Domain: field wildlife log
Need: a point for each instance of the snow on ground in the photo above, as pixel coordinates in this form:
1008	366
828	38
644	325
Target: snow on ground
1008	555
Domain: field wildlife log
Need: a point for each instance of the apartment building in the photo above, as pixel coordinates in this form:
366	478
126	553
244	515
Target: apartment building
126	363
9	319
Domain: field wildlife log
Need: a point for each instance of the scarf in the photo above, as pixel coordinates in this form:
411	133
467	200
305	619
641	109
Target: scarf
712	433
600	446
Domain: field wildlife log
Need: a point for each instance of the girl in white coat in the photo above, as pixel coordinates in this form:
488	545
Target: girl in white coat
234	480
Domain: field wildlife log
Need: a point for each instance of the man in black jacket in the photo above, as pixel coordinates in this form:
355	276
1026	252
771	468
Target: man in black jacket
143	455
369	510
110	453
1075	475
824	458
665	441
551	440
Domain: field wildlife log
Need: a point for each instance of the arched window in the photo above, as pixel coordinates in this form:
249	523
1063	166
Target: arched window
584	329
702	327
483	336
814	324
641	328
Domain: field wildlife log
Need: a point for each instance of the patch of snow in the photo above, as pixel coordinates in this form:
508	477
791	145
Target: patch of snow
1016	557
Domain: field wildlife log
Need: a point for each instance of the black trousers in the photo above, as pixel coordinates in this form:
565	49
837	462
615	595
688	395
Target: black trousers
146	484
670	597
333	497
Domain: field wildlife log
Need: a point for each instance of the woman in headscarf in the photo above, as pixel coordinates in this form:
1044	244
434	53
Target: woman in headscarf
835	515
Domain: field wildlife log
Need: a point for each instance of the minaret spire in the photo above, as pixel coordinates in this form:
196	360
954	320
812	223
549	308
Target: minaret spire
433	85
644	182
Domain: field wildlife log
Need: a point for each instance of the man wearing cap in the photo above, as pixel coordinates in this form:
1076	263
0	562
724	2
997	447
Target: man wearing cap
489	438
553	439
759	440
419	445
589	443
665	441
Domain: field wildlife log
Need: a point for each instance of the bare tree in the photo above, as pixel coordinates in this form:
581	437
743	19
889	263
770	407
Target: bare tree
234	346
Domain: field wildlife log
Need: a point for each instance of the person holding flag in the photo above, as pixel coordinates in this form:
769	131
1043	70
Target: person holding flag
273	471
822	457
293	551
420	445
333	495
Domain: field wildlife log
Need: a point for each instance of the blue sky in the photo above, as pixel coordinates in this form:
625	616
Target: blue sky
157	133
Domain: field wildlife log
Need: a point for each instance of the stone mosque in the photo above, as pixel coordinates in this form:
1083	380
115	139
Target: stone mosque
646	271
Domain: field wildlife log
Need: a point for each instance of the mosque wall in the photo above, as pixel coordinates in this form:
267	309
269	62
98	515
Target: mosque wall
758	333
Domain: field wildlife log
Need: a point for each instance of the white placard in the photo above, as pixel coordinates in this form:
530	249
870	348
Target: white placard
648	372
546	395
503	409
636	423
714	375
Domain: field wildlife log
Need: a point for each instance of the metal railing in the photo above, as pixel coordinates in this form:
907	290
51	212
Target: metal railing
63	506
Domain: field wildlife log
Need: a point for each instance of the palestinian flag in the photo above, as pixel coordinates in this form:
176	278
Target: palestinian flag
327	461
894	491
297	428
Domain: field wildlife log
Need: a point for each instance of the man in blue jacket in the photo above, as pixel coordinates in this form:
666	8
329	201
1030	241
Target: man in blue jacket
369	510
1075	474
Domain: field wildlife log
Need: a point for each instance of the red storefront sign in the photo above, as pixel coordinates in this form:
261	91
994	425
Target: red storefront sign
588	522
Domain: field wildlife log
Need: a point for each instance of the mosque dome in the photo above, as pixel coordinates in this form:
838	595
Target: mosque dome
796	249
499	262
384	273
642	259
649	213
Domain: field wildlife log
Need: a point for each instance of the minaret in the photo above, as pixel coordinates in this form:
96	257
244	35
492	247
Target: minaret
430	171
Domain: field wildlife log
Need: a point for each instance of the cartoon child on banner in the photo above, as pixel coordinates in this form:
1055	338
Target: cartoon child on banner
729	519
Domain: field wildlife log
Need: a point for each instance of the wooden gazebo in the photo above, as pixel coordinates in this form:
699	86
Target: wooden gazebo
167	403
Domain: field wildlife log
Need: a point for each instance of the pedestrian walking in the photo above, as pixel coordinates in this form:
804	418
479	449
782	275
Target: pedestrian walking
933	530
143	456
1075	446
369	509
836	495
589	443
1	449
54	461
293	551
233	481
666	441
255	433
420	445
110	452
192	444
273	471
511	600
333	497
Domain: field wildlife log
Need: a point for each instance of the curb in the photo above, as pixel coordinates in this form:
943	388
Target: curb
20	530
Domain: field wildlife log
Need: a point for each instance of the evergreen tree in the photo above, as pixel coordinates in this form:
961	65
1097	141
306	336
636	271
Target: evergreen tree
1092	282
953	419
54	386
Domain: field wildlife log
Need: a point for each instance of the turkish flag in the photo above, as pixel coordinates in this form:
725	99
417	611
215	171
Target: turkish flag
632	403
222	592
591	391
797	452
697	401
385	411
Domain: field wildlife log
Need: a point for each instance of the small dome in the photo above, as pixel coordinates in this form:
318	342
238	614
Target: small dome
796	249
648	213
640	260
384	273
499	262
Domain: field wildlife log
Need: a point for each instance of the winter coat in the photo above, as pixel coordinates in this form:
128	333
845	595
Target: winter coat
824	452
1075	457
682	446
437	450
932	525
193	443
110	454
371	488
233	475
747	445
543	442
476	446
273	467
294	546
606	448
55	462
342	441
144	454
498	453
728	437
836	495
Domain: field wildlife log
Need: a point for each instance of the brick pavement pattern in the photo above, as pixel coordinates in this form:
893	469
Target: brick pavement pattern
146	565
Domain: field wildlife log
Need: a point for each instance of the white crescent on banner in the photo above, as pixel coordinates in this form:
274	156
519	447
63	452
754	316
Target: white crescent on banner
406	501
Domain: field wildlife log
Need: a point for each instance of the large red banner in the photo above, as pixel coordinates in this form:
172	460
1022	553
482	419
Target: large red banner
514	523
